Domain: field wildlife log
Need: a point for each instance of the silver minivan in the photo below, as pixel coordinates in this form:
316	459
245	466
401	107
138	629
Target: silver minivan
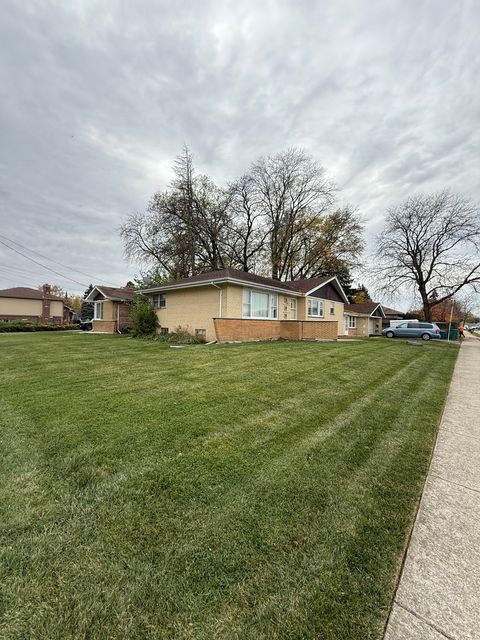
423	330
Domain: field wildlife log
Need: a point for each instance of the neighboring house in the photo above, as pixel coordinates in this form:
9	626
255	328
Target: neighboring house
391	314
35	305
364	319
111	308
231	305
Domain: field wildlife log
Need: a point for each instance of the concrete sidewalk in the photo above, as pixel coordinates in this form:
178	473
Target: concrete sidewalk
438	595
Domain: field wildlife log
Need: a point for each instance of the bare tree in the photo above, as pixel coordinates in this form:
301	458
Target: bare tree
290	190
430	244
247	231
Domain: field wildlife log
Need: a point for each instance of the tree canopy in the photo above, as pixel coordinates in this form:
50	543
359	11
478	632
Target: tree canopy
278	219
430	245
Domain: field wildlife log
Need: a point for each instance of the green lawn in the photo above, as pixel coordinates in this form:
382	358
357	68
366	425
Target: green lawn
257	491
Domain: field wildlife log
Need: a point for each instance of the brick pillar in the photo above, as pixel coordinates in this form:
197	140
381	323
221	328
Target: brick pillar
46	289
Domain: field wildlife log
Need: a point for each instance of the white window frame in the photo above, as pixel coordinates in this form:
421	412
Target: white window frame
293	308
319	306
332	308
96	314
162	301
272	309
352	322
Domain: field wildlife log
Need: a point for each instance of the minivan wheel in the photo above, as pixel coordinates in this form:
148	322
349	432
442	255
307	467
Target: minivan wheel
390	334
426	336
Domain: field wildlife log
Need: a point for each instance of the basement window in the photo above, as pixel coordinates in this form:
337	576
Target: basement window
164	330
201	333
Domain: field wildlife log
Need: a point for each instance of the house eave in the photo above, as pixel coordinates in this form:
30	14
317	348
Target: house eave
203	283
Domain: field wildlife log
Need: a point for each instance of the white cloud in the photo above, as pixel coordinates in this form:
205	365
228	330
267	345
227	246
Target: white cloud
97	97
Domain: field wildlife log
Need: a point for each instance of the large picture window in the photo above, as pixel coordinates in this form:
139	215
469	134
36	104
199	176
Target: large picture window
98	311
257	304
315	307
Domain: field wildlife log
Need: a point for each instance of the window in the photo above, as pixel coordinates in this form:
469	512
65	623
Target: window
332	308
352	322
159	301
315	307
293	309
164	330
257	304
98	311
201	333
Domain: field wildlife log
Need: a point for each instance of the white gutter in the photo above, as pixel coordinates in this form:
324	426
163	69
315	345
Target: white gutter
221	298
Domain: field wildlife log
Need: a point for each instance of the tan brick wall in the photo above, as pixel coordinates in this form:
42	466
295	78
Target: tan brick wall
104	326
237	329
290	329
325	329
244	330
20	307
56	308
192	308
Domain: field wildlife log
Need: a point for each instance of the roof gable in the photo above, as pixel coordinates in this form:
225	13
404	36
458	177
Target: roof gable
110	293
367	308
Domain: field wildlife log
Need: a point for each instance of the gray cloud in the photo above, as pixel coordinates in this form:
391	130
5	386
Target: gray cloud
97	97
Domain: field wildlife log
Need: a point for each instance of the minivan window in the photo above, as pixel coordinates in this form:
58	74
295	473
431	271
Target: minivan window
413	325
424	325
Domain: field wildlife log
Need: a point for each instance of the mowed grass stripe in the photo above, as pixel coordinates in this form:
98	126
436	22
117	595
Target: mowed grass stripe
240	491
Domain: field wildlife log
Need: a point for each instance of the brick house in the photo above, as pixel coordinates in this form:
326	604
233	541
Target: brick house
364	319
111	308
35	305
232	305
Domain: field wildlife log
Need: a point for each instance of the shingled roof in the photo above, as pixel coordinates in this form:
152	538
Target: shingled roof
226	274
27	293
364	308
113	293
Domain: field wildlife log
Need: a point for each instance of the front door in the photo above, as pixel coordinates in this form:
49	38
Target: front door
371	326
345	325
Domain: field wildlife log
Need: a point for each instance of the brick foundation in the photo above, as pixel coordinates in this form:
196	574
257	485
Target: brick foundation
242	330
104	326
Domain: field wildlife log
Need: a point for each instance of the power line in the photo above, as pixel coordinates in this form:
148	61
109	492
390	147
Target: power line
82	284
93	278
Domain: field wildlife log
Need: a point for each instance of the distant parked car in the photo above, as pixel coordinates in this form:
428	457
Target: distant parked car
423	330
86	325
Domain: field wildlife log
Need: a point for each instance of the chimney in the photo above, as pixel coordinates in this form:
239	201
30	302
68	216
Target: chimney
46	289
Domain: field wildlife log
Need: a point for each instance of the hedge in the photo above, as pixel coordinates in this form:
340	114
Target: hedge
15	327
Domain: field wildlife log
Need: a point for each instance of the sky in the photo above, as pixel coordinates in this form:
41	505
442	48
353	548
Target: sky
97	98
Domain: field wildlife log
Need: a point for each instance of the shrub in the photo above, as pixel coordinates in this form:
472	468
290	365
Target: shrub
143	319
26	327
181	335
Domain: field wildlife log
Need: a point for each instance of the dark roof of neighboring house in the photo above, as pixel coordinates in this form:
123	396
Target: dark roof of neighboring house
28	293
366	308
115	293
393	312
224	274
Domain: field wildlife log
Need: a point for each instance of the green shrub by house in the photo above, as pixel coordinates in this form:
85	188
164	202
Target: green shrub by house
143	318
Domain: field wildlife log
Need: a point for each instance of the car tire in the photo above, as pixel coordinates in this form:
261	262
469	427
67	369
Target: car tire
426	336
390	334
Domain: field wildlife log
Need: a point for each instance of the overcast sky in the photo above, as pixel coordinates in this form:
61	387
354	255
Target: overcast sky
97	98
